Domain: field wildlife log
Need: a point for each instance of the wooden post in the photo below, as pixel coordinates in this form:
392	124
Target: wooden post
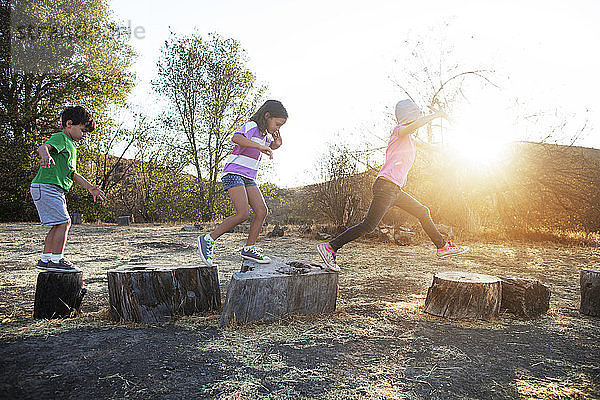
268	292
589	281
526	298
76	219
156	293
464	295
58	294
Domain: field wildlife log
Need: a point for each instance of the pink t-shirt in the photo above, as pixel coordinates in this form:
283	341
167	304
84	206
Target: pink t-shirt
399	158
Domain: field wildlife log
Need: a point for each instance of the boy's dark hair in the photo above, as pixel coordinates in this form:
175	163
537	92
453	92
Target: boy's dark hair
274	108
78	115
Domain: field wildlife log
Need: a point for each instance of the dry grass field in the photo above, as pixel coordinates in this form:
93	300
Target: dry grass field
377	345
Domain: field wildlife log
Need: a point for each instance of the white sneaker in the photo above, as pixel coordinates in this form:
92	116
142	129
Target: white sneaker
328	256
254	254
206	249
450	249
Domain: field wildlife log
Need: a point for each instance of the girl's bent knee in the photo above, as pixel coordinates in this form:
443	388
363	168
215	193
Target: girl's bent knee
242	217
424	213
367	227
261	214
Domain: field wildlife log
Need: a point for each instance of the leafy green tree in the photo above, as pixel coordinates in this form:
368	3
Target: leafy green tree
112	170
52	54
212	92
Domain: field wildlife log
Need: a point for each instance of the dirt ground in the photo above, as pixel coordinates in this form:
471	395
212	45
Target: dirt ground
377	345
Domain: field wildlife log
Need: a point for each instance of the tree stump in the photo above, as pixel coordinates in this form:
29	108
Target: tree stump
458	295
268	292
76	219
157	293
403	238
276	232
526	298
58	294
124	220
590	292
241	228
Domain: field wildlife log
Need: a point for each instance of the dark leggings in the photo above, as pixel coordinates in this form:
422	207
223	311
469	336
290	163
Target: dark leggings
386	195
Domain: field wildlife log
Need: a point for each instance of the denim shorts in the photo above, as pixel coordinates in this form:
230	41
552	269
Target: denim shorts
50	202
233	180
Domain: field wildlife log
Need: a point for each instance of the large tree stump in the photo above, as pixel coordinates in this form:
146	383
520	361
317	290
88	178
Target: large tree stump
58	294
157	293
458	295
124	220
526	298
590	292
268	292
76	219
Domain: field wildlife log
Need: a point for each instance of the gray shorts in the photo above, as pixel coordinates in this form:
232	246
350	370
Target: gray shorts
50	202
233	180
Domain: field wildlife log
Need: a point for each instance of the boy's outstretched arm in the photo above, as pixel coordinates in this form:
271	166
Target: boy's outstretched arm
94	190
408	129
46	159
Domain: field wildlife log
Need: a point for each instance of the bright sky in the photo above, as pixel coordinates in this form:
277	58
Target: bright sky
331	63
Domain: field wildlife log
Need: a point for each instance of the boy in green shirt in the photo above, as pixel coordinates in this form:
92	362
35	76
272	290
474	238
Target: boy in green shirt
57	173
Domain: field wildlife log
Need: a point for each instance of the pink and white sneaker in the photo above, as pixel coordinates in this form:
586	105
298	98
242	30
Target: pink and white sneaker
328	256
450	249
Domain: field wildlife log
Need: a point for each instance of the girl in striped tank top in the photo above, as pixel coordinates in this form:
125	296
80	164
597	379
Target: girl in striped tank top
258	136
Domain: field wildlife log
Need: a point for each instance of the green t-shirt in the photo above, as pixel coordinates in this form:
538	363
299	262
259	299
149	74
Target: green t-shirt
64	154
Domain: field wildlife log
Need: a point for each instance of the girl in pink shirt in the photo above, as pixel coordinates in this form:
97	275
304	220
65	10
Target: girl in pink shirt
387	188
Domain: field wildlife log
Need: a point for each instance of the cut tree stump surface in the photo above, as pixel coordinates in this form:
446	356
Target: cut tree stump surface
458	295
58	294
268	292
156	293
590	292
526	298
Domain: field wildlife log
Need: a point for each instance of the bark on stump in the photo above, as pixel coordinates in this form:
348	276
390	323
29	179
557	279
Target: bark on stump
58	294
269	292
590	292
458	295
156	293
526	298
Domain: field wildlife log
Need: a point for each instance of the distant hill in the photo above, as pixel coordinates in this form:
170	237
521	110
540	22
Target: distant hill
538	185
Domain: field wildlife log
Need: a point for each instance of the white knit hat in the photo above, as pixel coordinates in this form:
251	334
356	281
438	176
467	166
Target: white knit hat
407	111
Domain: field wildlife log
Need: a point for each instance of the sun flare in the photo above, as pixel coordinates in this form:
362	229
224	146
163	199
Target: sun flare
479	135
475	150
